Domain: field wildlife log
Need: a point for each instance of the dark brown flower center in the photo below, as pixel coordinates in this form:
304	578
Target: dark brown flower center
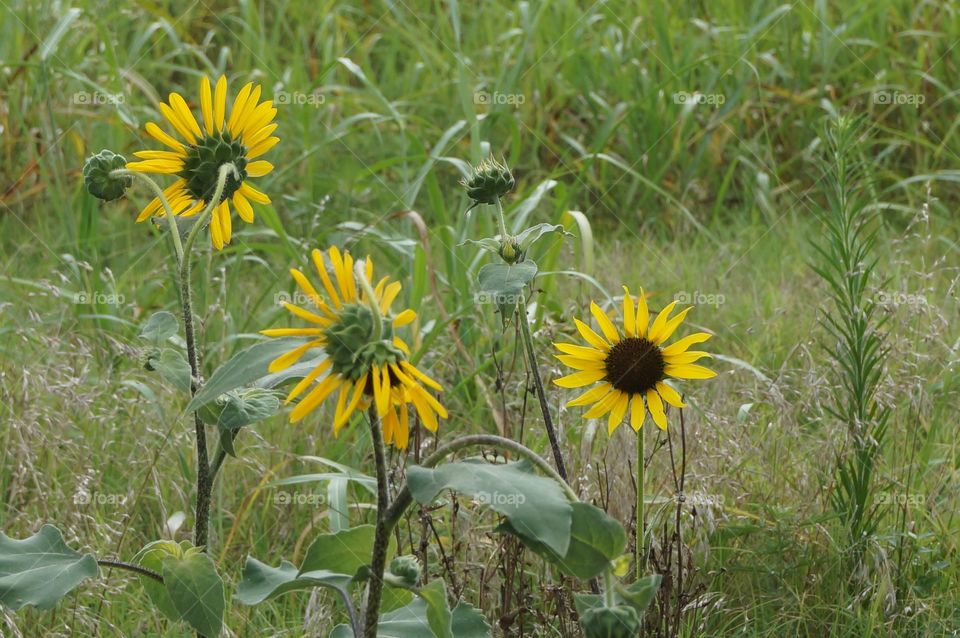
634	365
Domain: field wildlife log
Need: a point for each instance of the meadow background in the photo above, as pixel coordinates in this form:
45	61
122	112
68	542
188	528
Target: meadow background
685	132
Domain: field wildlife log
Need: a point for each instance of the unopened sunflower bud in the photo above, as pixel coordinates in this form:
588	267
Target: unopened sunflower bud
490	181
406	569
611	622
510	251
98	179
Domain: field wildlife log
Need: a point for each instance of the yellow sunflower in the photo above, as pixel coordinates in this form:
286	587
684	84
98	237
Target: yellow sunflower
631	366
240	138
365	361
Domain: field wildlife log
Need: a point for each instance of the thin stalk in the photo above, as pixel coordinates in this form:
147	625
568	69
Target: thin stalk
541	395
502	223
137	569
382	535
640	556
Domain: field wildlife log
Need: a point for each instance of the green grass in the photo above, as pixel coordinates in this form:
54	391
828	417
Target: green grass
716	200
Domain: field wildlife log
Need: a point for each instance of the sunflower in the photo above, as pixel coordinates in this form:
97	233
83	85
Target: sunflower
240	138
631	365
366	363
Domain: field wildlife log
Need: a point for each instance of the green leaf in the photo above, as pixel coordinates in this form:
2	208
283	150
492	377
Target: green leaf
173	368
247	406
506	280
41	569
528	236
243	368
491	244
596	540
638	595
438	612
343	552
536	507
196	590
151	557
262	582
411	621
159	327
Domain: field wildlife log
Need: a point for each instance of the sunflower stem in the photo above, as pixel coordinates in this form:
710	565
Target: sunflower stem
171	221
640	554
204	471
541	394
359	271
502	223
382	534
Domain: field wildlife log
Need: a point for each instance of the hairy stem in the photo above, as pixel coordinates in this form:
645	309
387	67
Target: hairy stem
137	569
171	221
640	555
382	535
541	395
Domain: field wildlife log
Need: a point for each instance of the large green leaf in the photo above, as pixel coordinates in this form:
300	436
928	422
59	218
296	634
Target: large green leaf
262	582
196	590
535	506
172	367
638	595
159	327
411	621
506	281
151	557
596	539
438	611
41	569
247	406
343	552
243	368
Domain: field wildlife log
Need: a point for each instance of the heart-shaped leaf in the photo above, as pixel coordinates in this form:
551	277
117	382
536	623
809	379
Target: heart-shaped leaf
343	552
159	327
262	582
536	507
196	590
247	406
41	569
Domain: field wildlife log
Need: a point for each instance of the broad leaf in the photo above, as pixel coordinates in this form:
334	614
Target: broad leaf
159	327
41	569
529	236
506	280
262	582
343	552
596	540
173	368
438	612
151	557
196	590
536	507
247	406
638	595
411	621
243	368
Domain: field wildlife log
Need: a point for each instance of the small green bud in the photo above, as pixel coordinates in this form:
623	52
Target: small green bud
98	180
490	181
510	251
611	622
406	569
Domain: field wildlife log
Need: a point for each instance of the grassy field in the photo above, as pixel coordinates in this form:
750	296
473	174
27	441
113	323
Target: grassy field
687	134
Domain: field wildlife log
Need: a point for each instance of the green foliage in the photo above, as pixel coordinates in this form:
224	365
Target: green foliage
535	506
41	569
196	590
261	582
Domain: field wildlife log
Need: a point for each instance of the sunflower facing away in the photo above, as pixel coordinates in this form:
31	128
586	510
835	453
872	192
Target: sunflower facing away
631	365
365	368
240	138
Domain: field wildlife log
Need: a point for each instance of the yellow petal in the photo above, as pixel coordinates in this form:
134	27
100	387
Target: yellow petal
412	369
671	326
617	412
307	287
404	318
580	379
389	294
182	127
591	396
590	336
603	406
238	104
681	346
321	267
259	168
629	314
206	104
291	332
637	413
216	235
161	136
358	389
689	371
643	314
427	417
655	405
315	397
243	207
219	103
670	395
606	326
656	328
580	364
260	148
287	359
306	314
307	380
581	351
686	357
226	223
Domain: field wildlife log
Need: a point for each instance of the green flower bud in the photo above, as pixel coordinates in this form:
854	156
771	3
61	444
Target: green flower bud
490	181
97	178
407	569
611	622
510	251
